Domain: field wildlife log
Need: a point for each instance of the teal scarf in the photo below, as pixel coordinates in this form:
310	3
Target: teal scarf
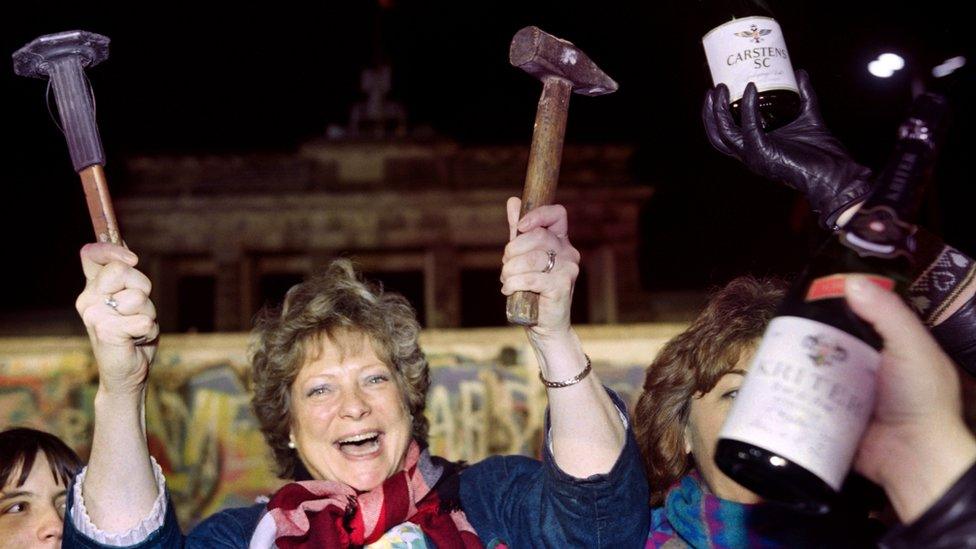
693	516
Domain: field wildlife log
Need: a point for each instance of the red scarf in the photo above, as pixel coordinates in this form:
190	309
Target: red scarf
323	513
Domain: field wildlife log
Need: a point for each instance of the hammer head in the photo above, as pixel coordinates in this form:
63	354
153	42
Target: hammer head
32	60
543	55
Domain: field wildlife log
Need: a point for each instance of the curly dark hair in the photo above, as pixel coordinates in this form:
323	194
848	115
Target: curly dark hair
19	448
691	364
337	300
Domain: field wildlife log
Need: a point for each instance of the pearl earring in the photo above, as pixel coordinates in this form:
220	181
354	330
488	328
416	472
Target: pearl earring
291	443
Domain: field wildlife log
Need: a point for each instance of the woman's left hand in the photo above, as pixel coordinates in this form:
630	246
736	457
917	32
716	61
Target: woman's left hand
540	235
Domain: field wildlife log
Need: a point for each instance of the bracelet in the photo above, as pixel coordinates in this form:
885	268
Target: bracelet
571	381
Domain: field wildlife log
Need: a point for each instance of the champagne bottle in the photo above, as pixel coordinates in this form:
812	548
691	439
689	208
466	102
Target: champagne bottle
795	425
745	44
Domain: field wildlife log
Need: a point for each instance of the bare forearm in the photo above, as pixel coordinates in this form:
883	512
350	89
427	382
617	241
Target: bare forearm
587	433
119	488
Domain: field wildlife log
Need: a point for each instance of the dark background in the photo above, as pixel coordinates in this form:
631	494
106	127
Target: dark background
206	78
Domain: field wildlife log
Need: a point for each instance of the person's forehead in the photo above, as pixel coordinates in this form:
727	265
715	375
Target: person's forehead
40	478
344	355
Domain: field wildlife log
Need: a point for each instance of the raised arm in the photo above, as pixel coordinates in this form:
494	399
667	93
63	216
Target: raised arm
587	431
590	489
119	487
806	156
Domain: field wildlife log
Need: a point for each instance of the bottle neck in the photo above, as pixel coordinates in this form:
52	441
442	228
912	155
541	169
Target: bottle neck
715	13
883	227
900	185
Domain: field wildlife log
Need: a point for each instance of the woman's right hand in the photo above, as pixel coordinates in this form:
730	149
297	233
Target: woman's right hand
119	316
917	443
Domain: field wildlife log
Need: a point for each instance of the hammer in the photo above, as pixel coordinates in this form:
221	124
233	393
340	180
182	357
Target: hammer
563	68
62	59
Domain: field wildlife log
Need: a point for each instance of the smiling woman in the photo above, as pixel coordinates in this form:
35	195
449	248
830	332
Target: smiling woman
340	350
340	384
35	469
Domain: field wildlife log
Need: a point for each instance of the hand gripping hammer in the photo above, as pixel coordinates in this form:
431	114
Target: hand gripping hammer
563	68
62	59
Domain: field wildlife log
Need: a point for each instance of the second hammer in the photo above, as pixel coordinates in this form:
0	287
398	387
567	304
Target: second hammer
563	69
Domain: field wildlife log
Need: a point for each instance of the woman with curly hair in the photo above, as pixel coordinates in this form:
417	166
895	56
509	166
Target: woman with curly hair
340	384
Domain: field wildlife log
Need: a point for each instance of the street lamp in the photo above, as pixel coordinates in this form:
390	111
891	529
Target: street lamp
886	65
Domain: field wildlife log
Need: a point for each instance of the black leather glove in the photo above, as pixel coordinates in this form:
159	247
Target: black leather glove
802	154
806	156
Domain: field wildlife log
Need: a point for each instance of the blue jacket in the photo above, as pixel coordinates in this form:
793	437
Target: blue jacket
516	500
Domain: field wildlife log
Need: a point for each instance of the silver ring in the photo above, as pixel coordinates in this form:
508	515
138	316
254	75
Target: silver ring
111	302
552	261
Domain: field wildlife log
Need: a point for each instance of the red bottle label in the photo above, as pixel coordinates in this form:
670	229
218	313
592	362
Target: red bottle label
833	286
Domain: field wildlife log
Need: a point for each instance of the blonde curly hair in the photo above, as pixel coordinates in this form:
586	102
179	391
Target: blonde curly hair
327	305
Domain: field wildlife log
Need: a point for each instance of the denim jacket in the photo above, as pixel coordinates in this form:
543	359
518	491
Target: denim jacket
515	500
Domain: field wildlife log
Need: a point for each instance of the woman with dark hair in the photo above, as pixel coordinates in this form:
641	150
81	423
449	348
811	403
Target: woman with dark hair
688	391
340	384
917	448
35	470
692	382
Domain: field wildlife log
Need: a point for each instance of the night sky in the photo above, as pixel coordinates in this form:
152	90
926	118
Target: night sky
200	79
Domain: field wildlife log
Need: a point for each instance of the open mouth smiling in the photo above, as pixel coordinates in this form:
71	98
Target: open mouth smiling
360	444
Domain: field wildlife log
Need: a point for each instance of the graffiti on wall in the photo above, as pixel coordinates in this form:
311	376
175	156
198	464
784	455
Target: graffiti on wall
202	431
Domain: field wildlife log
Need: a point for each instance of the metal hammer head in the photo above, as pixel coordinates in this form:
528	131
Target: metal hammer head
33	59
543	55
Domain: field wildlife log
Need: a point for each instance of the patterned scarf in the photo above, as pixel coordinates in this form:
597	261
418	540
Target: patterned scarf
319	513
694	517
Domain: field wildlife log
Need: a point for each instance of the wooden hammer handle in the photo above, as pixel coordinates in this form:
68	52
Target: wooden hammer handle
100	204
541	177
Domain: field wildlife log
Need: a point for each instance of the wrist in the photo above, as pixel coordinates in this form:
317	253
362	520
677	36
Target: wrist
844	198
109	402
559	354
554	341
846	214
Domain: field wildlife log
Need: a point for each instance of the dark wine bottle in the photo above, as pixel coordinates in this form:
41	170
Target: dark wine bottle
794	427
744	43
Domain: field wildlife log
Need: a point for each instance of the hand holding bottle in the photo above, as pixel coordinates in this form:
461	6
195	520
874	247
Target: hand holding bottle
803	154
807	157
795	426
916	444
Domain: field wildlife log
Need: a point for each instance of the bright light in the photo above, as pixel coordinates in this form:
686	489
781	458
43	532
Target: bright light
949	66
886	64
892	61
879	69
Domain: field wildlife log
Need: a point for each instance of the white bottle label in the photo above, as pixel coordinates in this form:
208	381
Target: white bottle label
807	397
750	49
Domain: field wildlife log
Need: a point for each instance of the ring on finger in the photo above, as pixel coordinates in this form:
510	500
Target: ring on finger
112	302
552	261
